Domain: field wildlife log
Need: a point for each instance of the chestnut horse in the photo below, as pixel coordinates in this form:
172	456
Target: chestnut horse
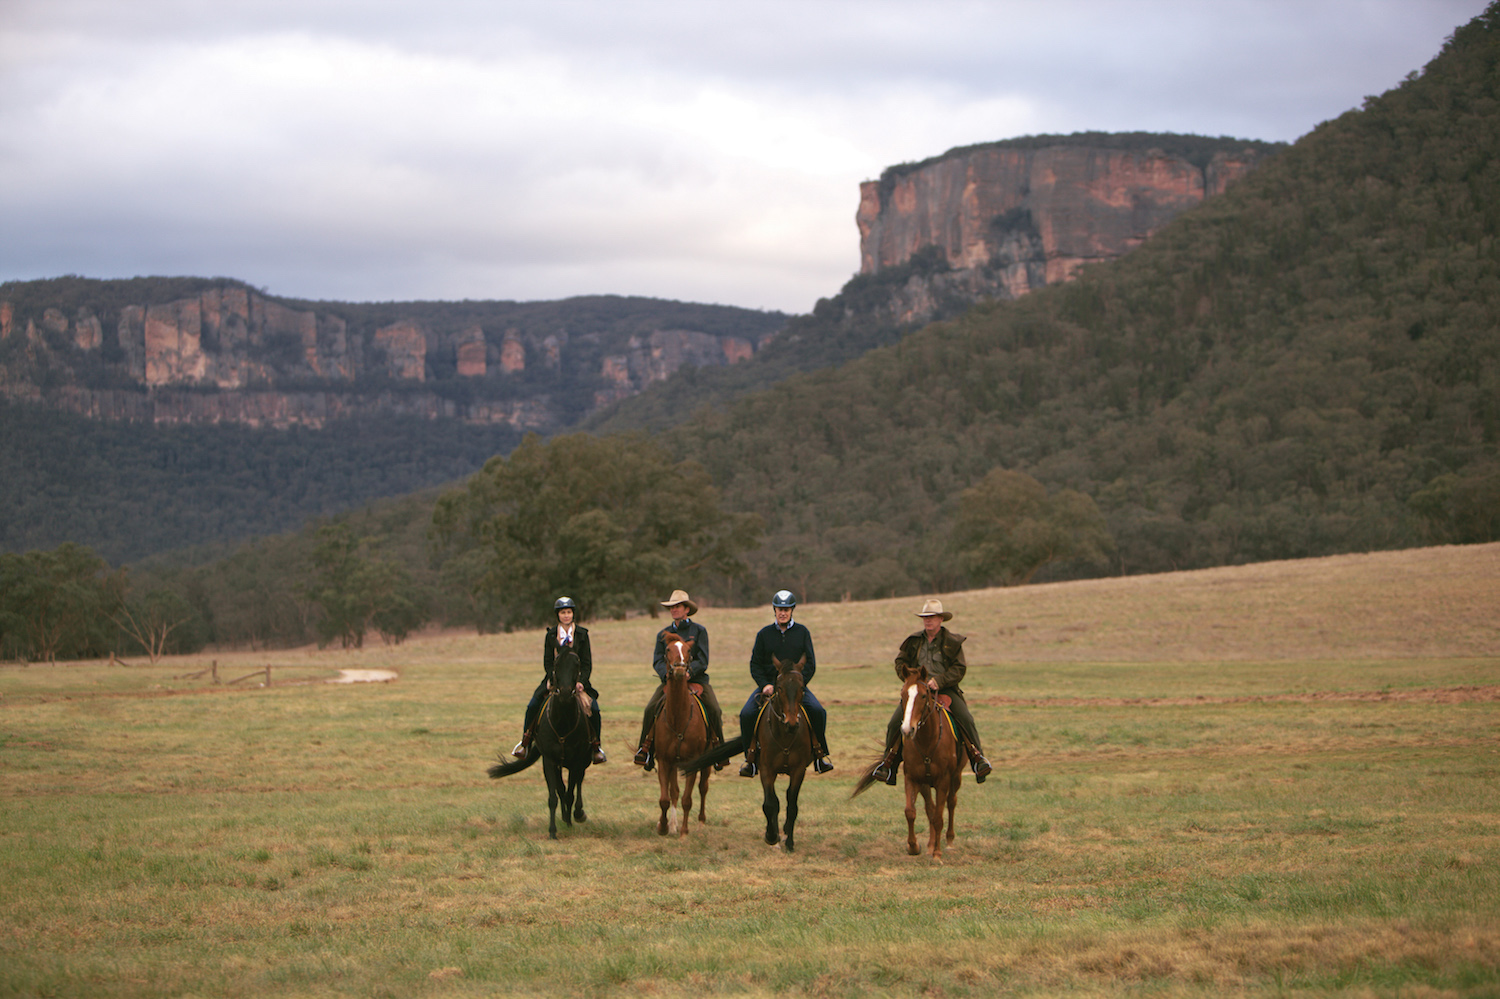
680	733
563	742
930	760
783	738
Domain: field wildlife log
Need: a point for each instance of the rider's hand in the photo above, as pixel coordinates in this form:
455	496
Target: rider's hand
932	684
768	690
578	686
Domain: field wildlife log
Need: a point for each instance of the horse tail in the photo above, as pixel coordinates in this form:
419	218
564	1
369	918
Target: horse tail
720	753
866	778
505	768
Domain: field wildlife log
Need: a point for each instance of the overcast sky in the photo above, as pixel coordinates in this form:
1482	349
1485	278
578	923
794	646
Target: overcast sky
703	151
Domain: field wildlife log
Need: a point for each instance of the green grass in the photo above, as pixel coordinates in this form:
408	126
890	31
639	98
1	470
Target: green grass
1311	826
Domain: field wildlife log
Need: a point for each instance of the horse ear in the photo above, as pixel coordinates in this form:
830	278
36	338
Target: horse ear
801	663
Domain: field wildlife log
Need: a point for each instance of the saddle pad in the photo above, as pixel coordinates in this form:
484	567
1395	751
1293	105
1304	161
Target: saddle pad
945	700
696	688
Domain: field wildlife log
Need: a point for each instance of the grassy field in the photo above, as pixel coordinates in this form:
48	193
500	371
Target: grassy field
1270	780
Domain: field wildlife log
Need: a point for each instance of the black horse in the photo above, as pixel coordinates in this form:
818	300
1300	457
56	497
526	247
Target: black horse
562	742
783	745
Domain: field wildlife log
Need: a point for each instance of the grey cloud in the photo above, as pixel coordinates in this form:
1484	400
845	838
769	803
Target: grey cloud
537	149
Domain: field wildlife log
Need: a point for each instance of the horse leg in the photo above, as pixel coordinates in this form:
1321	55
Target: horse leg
576	779
952	801
911	816
932	800
687	804
793	789
550	769
665	800
565	793
702	796
770	804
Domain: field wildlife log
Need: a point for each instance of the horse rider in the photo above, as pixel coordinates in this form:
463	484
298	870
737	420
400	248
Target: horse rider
788	641
941	652
563	635
682	609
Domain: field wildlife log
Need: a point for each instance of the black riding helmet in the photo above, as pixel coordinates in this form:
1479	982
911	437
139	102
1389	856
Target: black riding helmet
783	598
564	603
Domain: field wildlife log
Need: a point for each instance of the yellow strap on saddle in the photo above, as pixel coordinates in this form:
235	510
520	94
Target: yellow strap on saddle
766	703
949	716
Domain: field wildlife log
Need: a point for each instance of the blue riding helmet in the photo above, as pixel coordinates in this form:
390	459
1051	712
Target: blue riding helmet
564	602
783	598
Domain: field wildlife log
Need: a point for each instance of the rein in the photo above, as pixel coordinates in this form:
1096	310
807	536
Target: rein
557	695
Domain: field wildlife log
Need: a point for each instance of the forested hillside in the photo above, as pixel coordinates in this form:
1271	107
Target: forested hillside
1308	364
129	491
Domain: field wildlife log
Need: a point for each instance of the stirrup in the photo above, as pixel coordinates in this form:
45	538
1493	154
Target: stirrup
599	756
643	757
749	769
520	751
981	767
821	765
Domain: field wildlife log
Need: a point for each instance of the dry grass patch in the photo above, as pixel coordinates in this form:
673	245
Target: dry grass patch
1267	820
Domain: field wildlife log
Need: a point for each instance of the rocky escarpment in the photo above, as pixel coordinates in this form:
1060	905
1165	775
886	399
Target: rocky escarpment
224	352
1005	218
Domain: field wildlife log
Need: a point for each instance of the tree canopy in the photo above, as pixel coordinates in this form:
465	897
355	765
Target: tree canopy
613	522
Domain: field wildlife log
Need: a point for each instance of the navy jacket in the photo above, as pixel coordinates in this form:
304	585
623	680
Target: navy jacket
698	663
789	647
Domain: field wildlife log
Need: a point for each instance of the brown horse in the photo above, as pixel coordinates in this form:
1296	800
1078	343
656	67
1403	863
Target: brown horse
783	741
680	734
930	760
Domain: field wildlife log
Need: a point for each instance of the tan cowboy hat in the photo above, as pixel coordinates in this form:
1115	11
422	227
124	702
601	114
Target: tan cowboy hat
934	608
681	597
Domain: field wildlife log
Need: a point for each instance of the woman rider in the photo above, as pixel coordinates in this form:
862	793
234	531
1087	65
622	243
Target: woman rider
564	634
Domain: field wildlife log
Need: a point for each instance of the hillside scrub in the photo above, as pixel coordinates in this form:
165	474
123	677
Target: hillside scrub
1289	370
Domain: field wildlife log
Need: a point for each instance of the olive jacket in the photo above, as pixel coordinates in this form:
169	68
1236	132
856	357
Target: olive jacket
951	653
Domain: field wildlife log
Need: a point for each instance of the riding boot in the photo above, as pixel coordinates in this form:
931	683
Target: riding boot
749	769
599	756
886	769
643	757
821	763
979	763
718	740
523	747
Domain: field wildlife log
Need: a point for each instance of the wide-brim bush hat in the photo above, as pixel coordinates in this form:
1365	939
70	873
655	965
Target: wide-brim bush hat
934	608
681	597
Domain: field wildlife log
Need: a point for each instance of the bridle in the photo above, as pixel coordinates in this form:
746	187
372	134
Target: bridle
782	696
920	717
578	717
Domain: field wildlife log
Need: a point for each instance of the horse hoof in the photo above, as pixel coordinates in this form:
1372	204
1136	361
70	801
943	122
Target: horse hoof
913	851
579	816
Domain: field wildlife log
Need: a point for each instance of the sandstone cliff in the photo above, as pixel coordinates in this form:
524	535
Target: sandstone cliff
143	351
1009	217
